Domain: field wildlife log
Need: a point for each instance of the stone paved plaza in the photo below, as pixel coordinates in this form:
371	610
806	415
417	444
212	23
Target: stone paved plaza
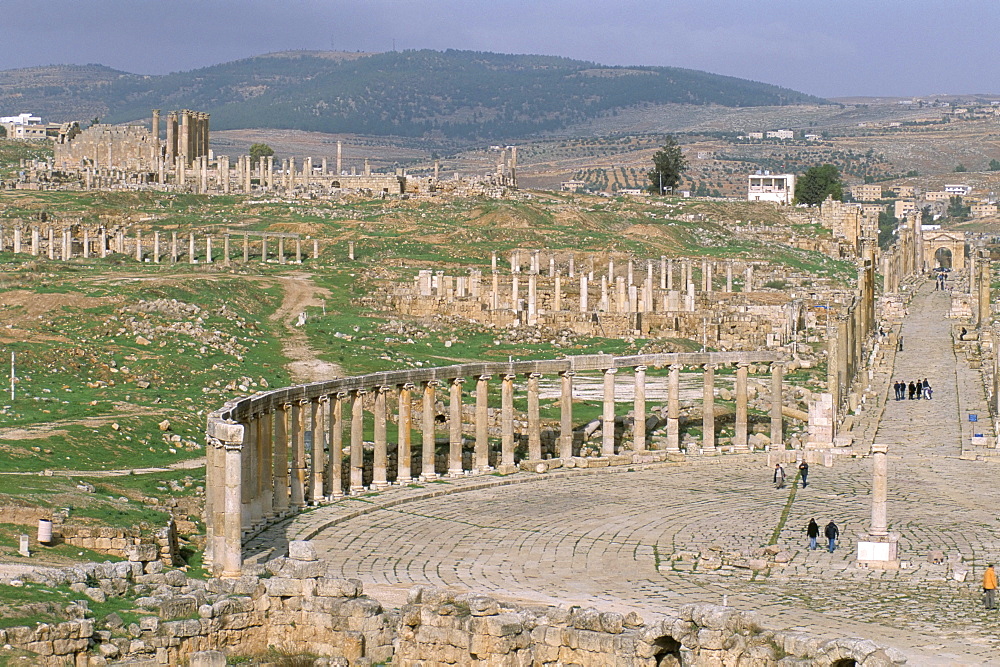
625	539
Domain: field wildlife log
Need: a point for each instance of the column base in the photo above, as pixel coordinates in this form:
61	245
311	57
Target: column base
357	490
428	476
506	469
404	480
879	552
380	486
456	473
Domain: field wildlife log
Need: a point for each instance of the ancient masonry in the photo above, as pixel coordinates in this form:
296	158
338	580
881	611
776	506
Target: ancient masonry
293	604
134	157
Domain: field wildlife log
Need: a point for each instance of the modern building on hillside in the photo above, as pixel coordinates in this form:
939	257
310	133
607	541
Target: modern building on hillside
780	134
867	192
766	186
983	209
960	190
23	126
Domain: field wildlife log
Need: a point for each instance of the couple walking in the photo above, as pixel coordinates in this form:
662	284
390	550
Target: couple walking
831	532
779	475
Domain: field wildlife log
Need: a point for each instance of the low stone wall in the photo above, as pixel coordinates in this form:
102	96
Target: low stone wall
128	543
293	605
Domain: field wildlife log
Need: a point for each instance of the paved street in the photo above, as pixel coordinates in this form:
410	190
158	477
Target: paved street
612	540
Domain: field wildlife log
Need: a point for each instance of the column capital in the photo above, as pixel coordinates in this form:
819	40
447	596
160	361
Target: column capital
284	407
303	401
458	381
567	374
483	378
340	395
324	399
879	449
640	369
407	386
742	364
709	367
533	375
359	392
777	365
673	367
431	383
509	377
381	389
609	371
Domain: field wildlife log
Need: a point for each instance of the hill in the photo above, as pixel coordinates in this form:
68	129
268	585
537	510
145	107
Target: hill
460	95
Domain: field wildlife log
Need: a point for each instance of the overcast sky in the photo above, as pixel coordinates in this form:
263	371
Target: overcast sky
825	47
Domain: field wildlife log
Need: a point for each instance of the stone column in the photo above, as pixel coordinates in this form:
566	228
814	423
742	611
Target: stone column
507	424
357	442
247	474
583	293
608	419
674	409
427	451
880	491
263	248
557	305
534	419
35	242
380	466
482	455
173	247
777	379
208	249
532	298
455	428
232	540
335	464
281	249
566	415
266	440
404	441
740	437
191	249
639	411
281	458
318	466
514	300
225	249
86	242
298	455
246	248
156	247
663	272
708	410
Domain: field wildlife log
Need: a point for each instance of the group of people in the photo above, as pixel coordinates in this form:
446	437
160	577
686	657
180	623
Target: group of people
914	390
831	532
779	475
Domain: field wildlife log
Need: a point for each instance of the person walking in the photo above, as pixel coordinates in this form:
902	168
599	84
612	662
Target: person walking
779	476
912	389
920	389
990	587
812	531
832	533
804	473
900	390
927	389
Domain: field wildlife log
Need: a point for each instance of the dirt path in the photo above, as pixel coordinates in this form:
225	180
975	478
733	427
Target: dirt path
300	293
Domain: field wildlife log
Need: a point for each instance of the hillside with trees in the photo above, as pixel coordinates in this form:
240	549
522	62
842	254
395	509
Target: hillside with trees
461	95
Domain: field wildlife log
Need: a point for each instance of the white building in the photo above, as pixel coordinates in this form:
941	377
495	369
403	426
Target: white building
780	134
23	126
960	190
778	188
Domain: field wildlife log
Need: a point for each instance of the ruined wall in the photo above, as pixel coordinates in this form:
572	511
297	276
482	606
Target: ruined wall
130	147
292	604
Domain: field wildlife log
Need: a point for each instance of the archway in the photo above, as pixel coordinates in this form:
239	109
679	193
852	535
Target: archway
667	652
942	258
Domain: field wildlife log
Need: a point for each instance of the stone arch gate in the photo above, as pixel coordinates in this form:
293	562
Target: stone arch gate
939	244
258	469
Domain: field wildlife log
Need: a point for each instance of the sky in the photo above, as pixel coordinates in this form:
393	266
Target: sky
830	48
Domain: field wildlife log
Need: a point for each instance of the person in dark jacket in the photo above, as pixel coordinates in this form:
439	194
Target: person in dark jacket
912	389
832	533
812	531
927	389
804	473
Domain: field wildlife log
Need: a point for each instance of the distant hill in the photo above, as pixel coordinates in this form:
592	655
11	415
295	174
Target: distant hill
461	95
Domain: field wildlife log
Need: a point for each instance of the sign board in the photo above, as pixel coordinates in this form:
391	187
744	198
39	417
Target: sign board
973	418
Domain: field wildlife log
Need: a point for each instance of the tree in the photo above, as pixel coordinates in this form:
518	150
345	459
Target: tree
3	131
257	151
960	168
668	164
958	210
994	165
817	183
887	223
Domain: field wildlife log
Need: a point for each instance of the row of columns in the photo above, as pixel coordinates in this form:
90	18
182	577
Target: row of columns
100	243
272	472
